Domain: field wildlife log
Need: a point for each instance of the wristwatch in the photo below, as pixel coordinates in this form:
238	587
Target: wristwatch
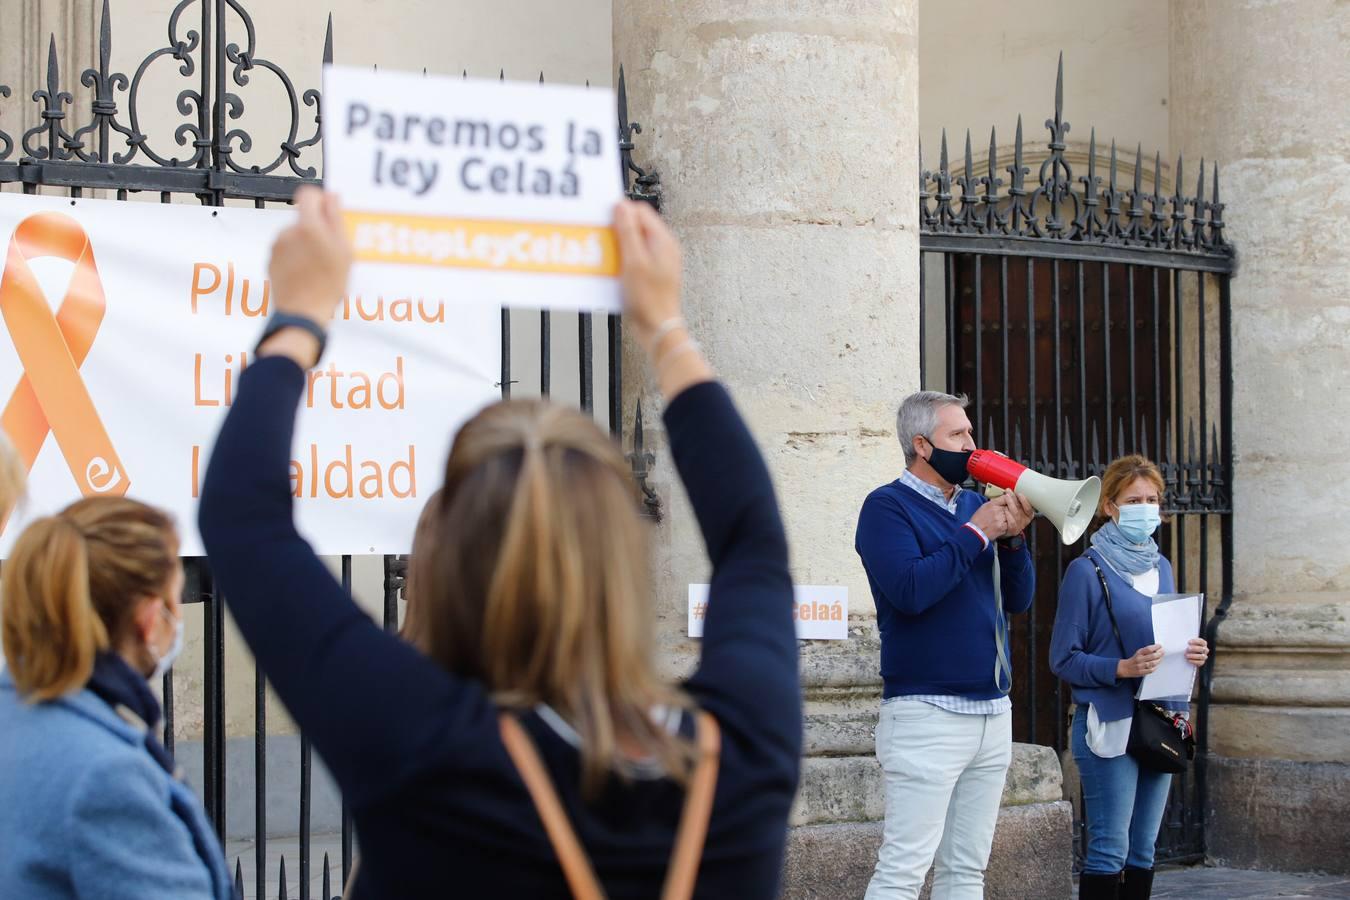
1016	542
280	320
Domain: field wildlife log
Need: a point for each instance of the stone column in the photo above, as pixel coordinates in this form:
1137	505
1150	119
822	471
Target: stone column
1261	87
786	139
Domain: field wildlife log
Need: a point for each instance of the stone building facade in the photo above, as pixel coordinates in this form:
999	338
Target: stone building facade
778	128
786	137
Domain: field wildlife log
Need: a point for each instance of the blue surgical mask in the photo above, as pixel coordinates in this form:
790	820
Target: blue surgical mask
165	662
1138	521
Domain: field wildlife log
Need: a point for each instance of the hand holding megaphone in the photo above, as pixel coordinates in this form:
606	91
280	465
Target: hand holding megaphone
1070	505
1006	516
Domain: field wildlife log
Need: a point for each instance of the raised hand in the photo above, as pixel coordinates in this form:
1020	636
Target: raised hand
311	258
651	276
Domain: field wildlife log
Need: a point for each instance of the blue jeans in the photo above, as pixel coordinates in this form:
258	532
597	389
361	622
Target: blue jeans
1124	806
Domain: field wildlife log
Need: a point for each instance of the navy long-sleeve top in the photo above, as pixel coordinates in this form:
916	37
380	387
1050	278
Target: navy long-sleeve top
438	806
933	584
1084	651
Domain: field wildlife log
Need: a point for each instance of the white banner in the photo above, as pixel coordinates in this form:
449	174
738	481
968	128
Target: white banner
499	190
119	381
819	611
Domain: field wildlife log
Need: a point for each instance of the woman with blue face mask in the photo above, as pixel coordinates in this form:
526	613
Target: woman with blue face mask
1123	801
90	802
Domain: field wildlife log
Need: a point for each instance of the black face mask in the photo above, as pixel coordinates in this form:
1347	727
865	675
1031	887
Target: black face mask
950	464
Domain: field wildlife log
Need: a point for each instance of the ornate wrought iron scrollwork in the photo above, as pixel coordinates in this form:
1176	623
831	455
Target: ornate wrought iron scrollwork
244	60
103	107
638	183
1058	186
641	460
205	107
993	222
189	101
1020	215
210	138
51	100
1062	207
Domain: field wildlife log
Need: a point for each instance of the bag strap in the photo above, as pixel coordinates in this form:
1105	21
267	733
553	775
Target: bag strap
689	838
697	812
1002	667
575	865
1106	593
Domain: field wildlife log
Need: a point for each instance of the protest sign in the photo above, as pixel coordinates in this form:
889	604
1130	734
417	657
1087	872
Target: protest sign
497	192
125	328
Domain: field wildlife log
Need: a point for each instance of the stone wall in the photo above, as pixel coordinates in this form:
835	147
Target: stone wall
1262	87
837	830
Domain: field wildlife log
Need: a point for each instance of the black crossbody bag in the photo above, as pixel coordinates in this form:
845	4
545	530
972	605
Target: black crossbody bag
1159	740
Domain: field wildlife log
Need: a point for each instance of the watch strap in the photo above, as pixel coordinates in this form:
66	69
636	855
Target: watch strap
280	320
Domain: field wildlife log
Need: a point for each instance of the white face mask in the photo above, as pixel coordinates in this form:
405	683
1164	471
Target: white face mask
165	662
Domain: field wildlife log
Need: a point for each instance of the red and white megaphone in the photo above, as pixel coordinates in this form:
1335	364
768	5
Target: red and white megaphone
1070	505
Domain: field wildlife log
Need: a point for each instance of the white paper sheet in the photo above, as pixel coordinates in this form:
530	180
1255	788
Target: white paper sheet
1176	619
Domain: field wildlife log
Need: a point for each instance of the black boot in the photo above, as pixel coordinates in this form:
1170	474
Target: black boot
1138	884
1099	887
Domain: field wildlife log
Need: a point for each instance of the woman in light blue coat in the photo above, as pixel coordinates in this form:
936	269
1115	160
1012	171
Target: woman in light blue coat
91	806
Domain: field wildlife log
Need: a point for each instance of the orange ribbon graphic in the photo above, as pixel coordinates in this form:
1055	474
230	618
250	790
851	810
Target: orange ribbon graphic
51	396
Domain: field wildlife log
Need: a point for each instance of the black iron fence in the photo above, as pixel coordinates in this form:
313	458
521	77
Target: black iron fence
1087	318
93	137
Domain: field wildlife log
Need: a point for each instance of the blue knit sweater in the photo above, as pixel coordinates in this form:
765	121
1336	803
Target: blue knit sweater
1083	648
933	584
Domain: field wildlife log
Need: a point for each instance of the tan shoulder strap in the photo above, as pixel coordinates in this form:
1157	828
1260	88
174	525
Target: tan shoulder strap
698	804
576	866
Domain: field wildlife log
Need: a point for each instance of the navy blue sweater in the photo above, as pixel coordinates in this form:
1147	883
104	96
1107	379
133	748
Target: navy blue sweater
439	808
933	584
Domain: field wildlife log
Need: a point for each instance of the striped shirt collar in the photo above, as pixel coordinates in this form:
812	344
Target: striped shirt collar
932	492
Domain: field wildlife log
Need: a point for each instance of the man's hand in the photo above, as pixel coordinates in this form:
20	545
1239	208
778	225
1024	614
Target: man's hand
992	519
1020	512
1143	662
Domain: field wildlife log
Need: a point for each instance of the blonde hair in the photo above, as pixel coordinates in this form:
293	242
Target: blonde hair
13	477
71	584
1122	473
529	575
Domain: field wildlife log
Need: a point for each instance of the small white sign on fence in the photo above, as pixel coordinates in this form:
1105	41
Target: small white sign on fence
819	611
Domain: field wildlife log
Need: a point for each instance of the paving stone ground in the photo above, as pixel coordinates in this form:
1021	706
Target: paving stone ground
1192	883
1208	883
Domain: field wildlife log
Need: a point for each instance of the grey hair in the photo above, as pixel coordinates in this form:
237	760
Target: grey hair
918	417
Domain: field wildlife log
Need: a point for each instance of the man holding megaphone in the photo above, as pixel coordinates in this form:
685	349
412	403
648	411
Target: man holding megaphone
945	566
